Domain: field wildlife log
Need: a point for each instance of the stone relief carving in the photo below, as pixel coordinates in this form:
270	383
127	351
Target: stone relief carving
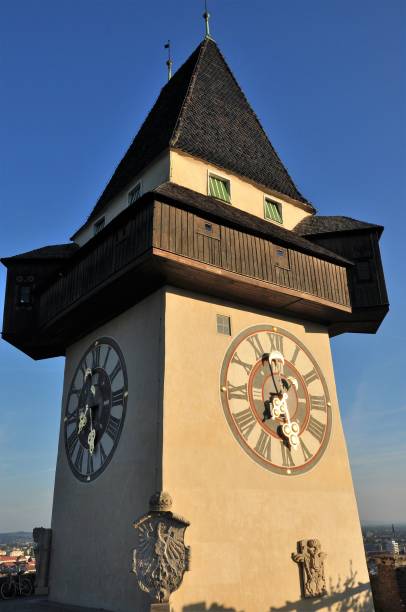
311	560
160	557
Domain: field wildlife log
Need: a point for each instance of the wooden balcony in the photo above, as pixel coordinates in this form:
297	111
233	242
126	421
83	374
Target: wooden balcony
159	242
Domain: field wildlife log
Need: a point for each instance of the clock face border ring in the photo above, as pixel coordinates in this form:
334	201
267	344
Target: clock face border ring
104	340
273	328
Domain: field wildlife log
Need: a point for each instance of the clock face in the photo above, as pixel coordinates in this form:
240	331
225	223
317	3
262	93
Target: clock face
95	409
276	400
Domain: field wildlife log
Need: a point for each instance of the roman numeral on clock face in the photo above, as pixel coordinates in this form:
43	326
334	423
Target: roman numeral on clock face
276	341
247	366
113	427
79	458
115	372
295	355
263	446
306	453
256	345
106	357
245	422
318	402
287	459
310	377
72	441
257	394
237	392
72	417
96	357
117	397
103	455
316	428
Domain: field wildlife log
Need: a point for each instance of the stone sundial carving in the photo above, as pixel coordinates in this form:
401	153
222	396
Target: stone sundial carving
311	561
160	557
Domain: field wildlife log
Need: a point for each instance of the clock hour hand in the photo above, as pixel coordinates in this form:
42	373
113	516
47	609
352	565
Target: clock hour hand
92	435
290	429
91	390
91	440
82	420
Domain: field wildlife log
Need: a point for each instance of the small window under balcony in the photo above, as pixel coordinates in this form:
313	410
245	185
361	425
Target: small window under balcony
24	295
134	194
98	226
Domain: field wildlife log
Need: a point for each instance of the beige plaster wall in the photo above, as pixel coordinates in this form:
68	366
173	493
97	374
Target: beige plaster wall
245	520
155	174
193	173
92	528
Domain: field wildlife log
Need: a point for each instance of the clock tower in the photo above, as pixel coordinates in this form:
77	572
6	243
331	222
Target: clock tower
195	308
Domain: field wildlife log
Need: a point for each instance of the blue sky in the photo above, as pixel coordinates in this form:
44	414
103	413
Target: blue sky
327	80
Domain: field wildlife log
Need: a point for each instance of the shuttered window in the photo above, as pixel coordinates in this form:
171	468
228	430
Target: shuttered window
134	194
219	188
272	210
223	325
98	226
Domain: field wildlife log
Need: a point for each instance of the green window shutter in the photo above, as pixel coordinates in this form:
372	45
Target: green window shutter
272	211
219	189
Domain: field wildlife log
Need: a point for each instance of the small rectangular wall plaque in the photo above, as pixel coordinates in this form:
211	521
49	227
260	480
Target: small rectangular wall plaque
160	607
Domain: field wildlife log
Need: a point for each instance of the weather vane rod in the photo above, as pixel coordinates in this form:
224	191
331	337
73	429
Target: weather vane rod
169	61
206	17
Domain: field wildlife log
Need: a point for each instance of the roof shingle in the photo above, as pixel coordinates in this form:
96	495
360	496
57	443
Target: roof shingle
54	251
319	224
203	111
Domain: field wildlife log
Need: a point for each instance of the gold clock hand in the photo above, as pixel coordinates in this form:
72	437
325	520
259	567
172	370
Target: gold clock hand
90	440
92	434
290	428
82	421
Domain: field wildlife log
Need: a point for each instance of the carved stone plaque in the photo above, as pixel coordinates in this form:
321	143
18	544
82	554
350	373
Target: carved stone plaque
160	557
311	561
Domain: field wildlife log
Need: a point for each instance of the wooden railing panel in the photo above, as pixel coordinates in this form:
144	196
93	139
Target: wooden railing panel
180	232
184	233
97	265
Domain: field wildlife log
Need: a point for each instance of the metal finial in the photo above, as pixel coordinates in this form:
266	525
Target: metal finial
169	61
206	17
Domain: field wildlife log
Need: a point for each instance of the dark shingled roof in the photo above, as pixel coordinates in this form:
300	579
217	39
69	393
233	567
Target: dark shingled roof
206	205
55	251
203	111
316	224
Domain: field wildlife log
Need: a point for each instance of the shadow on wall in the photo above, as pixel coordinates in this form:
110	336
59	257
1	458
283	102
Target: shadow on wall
201	607
347	595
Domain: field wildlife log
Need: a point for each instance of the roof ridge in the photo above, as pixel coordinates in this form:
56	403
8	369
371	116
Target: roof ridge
177	128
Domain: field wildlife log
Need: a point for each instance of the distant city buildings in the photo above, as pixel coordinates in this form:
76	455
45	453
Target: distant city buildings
385	551
16	555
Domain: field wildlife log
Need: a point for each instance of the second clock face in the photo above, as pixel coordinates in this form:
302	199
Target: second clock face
276	400
95	409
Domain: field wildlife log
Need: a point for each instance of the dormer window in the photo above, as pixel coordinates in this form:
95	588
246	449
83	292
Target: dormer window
98	226
219	188
273	210
134	194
